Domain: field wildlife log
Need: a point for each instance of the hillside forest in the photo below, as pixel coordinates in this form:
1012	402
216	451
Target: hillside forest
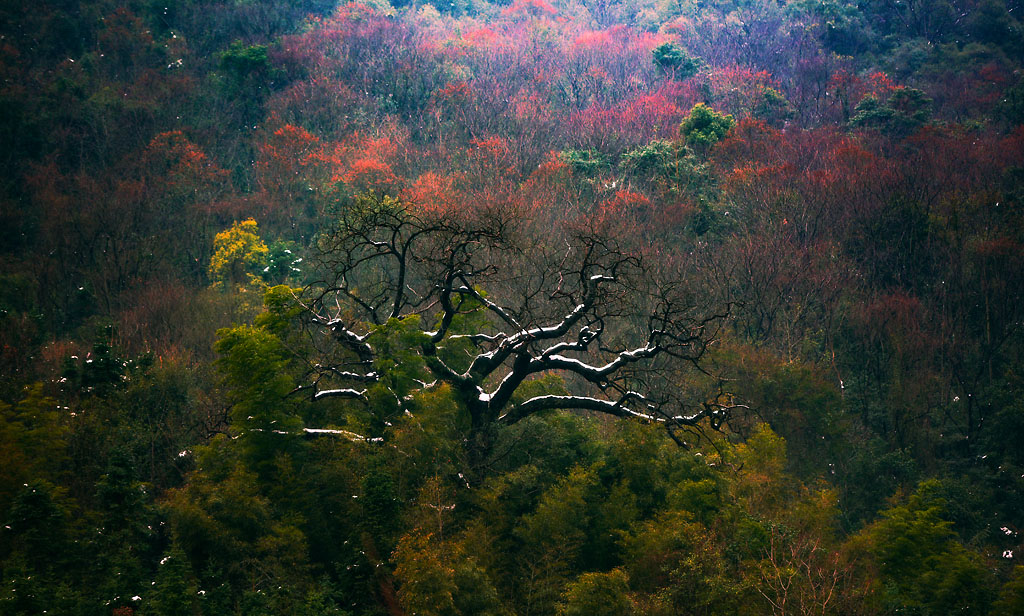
511	307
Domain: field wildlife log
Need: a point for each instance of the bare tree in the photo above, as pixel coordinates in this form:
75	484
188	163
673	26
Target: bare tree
569	300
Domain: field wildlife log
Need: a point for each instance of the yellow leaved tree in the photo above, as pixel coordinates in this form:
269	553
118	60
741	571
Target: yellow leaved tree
238	252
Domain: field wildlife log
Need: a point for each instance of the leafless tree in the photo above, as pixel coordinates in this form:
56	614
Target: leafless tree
615	323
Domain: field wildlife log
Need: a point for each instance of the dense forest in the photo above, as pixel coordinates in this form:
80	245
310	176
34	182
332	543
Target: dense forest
589	307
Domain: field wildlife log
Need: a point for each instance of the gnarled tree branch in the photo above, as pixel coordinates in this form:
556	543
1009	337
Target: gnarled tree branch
577	304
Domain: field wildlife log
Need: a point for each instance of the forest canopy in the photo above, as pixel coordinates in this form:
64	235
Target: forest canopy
519	307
